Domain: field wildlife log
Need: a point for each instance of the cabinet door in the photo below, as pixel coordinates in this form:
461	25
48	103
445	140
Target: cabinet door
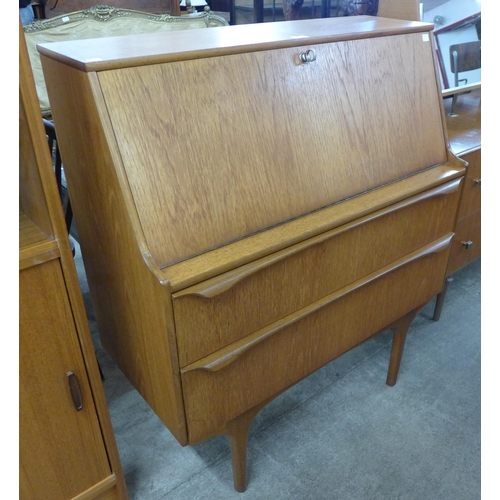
471	193
61	448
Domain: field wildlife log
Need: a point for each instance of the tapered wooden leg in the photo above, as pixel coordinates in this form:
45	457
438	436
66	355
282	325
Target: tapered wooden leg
440	298
237	432
399	331
238	439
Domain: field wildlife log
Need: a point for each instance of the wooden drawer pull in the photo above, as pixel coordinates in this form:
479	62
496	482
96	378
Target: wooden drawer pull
227	355
74	388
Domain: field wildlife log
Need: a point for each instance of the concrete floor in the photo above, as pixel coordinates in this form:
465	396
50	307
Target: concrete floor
341	433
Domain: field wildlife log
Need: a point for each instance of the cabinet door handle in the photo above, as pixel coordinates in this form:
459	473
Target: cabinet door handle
74	388
467	244
478	182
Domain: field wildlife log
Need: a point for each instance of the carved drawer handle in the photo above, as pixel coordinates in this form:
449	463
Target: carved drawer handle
467	244
478	182
308	56
74	388
227	355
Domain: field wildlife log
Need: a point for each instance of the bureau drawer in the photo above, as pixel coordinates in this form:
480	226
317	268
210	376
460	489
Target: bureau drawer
466	245
470	201
225	384
217	312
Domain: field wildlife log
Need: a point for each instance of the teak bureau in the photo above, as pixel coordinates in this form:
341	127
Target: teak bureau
252	202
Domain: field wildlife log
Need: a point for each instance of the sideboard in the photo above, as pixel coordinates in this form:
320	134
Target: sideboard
67	448
464	133
253	202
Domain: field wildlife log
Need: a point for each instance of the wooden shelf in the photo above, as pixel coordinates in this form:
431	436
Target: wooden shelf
35	247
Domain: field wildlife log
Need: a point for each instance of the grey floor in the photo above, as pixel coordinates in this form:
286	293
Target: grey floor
341	433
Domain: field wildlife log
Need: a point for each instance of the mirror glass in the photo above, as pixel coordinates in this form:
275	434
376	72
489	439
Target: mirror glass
457	30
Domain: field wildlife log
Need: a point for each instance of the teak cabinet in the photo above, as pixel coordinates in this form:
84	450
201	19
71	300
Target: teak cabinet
253	202
66	446
464	132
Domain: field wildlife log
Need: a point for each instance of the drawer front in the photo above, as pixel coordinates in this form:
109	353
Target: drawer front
471	190
222	310
466	245
227	383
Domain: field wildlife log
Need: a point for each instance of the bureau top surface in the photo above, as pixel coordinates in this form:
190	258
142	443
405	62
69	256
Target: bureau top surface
135	50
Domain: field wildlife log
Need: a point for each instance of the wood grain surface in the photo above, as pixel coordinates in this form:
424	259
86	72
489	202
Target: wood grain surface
282	146
468	229
130	300
156	48
49	424
241	252
212	314
464	132
245	216
470	201
399	9
464	129
308	342
64	453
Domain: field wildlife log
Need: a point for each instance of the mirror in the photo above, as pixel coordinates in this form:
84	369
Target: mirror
457	30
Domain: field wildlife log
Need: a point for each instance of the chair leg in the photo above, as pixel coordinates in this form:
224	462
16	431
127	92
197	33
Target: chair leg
453	105
68	213
103	378
52	141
